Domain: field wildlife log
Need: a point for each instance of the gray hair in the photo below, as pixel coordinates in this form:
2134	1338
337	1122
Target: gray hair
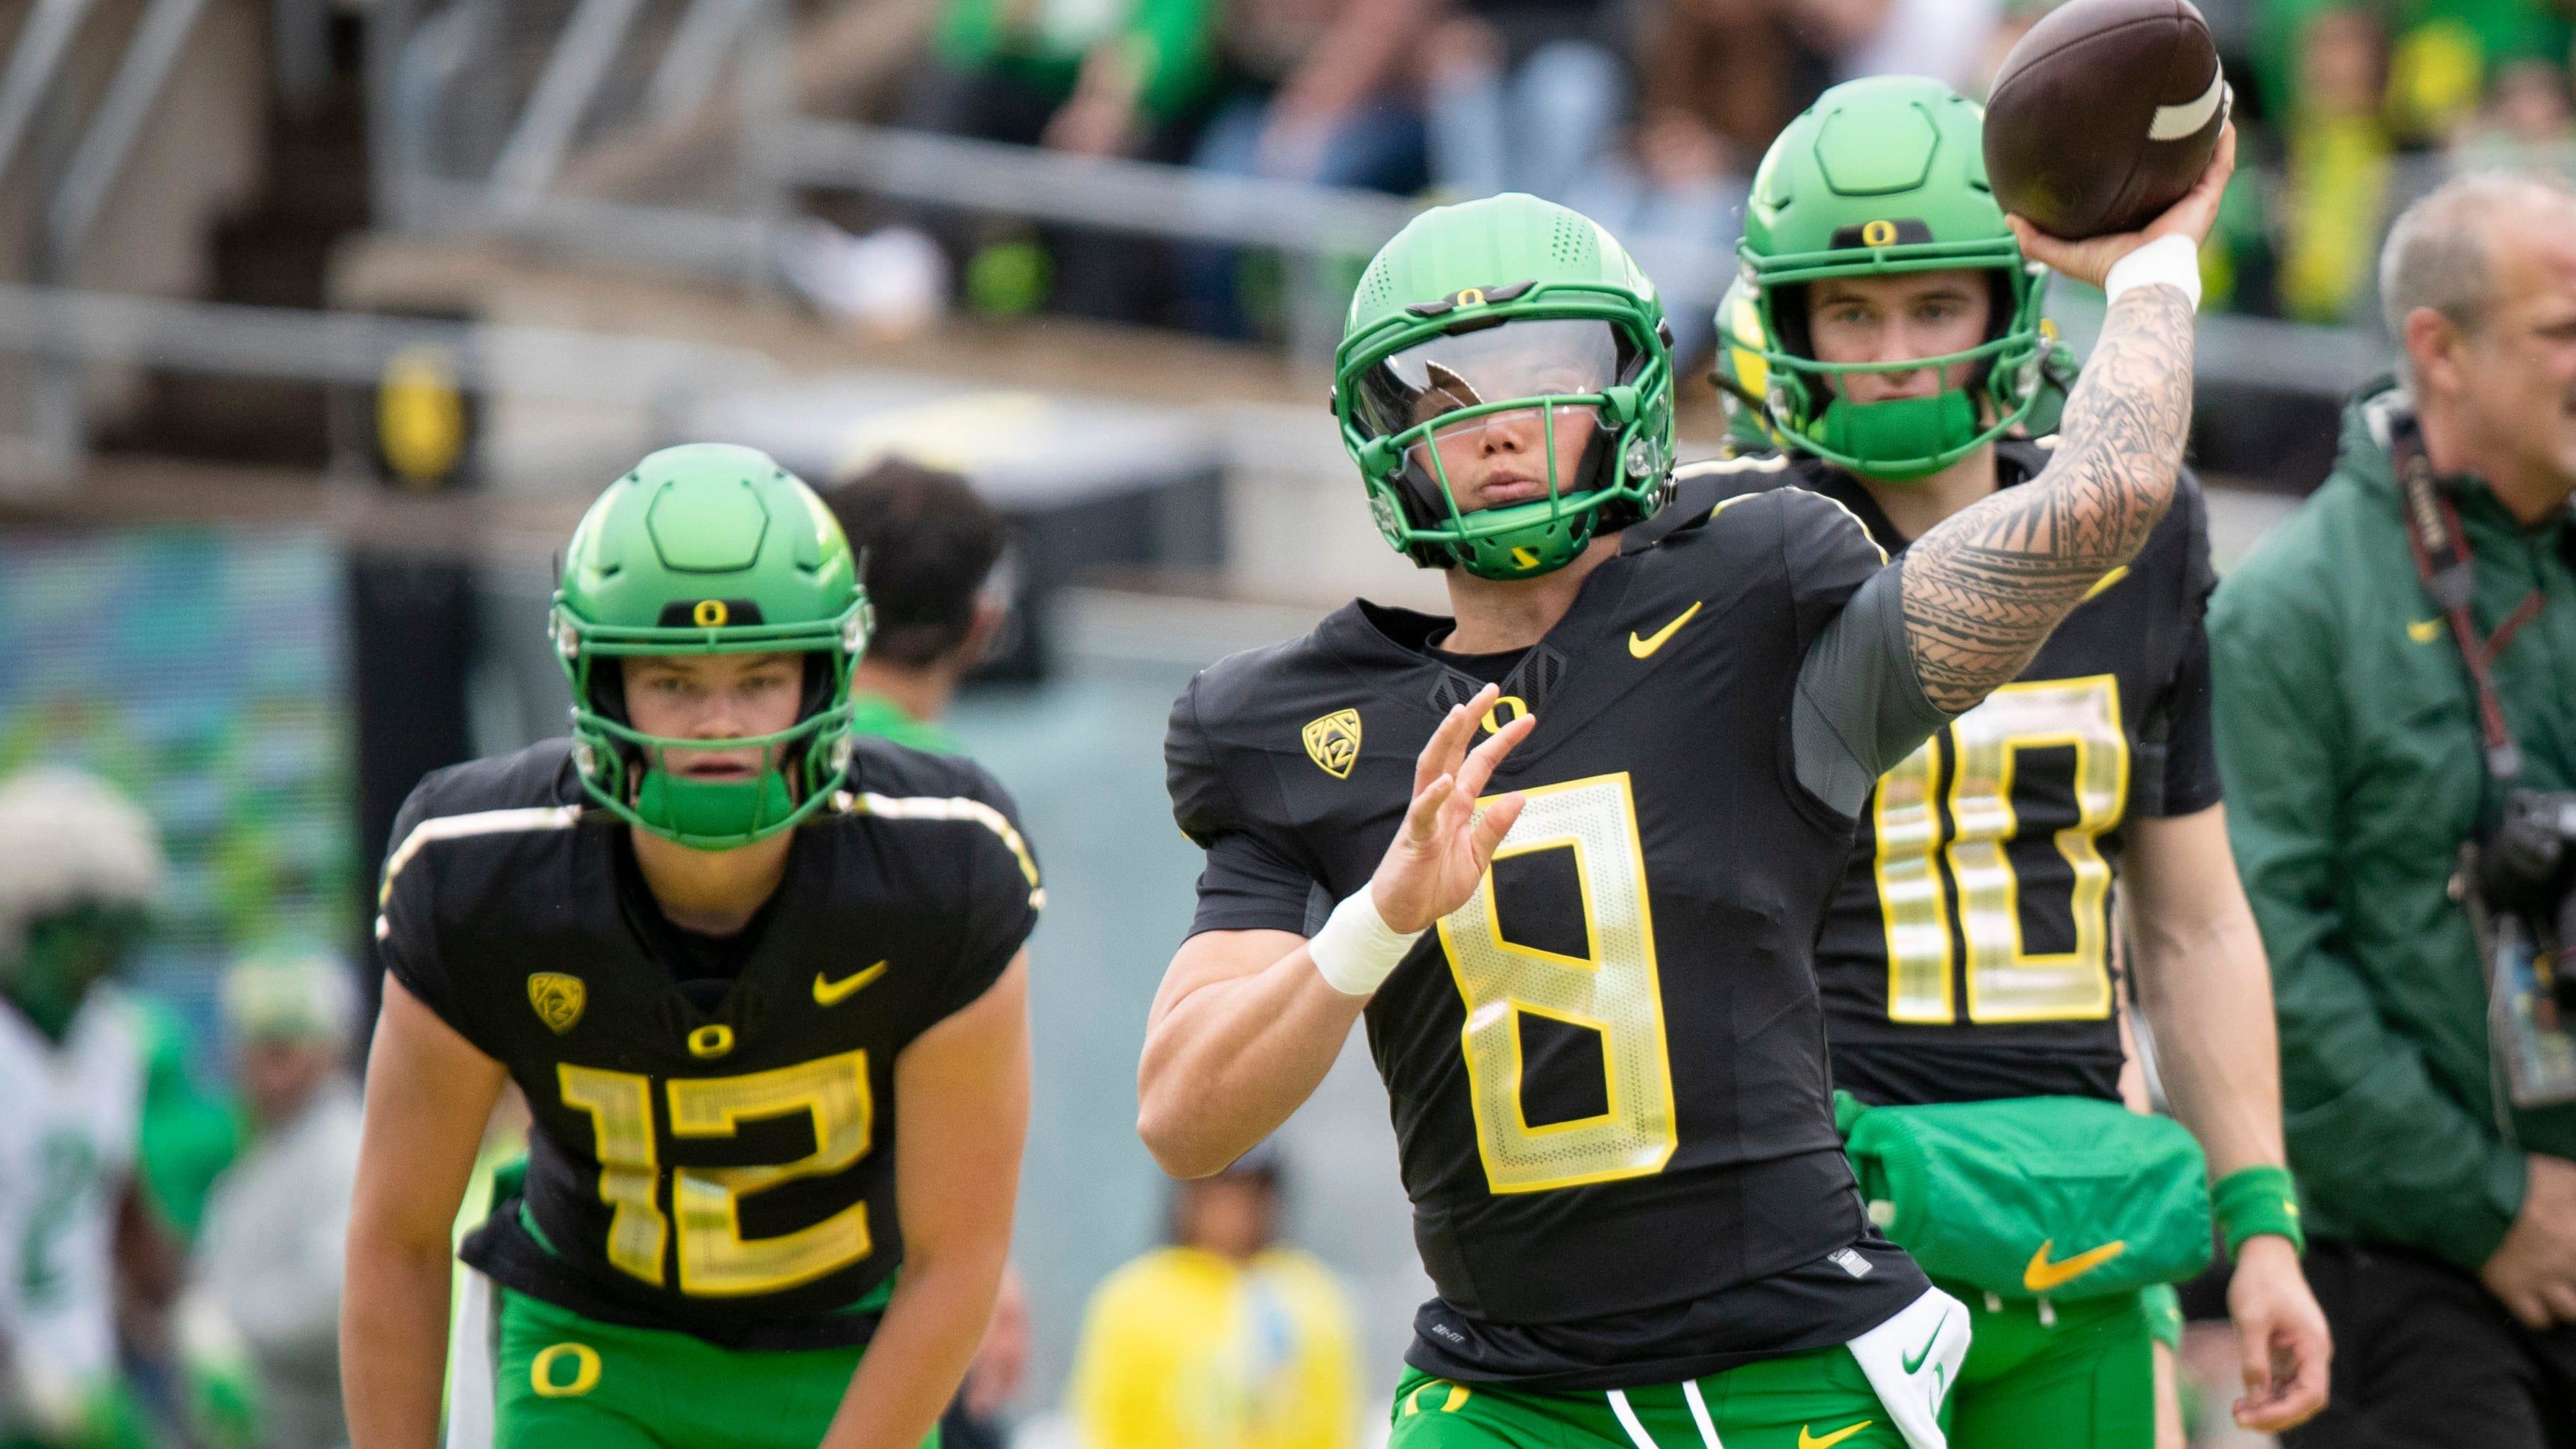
2437	253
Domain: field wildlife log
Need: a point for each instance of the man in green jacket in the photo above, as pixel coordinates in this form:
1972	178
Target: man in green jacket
2442	1216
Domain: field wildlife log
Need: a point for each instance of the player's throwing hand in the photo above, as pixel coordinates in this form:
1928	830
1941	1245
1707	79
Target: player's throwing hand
1442	851
2089	261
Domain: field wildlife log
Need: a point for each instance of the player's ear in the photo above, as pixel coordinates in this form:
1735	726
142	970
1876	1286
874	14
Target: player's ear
982	630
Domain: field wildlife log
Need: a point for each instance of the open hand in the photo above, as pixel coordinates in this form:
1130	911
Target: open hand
1441	851
2281	1337
2089	261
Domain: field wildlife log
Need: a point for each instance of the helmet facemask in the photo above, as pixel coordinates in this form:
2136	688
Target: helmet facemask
1882	177
1903	440
630	772
1560	388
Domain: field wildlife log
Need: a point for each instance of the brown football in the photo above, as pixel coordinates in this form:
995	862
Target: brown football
2104	115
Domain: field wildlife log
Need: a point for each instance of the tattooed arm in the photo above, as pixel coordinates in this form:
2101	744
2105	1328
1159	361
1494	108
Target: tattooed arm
1984	587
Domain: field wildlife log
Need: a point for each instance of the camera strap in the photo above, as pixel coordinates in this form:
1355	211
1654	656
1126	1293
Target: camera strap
2444	563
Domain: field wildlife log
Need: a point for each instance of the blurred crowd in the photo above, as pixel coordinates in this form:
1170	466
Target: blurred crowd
1648	115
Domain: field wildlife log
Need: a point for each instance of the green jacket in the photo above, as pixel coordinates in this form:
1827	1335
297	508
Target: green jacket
2348	743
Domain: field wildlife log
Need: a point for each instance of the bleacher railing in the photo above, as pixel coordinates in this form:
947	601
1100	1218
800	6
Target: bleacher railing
483	110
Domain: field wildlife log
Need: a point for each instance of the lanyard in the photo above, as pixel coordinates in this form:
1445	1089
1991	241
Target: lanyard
2443	562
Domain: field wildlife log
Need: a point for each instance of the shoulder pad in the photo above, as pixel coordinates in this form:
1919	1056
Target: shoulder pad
1701	489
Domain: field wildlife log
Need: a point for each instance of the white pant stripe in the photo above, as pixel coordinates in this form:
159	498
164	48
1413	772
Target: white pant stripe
1628	1420
1699	1414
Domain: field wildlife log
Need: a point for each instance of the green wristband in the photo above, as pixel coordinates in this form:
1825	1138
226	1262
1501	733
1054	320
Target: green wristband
2163	1306
2252	1201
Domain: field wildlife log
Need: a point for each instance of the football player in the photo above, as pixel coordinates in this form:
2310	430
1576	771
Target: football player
1967	955
83	868
1581	835
763	986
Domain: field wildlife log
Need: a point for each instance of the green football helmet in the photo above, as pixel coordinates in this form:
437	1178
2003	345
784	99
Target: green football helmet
1883	176
709	549
1497	307
1741	376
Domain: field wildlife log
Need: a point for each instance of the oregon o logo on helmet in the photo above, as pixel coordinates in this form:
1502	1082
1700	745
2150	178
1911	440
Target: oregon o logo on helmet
710	614
1878	233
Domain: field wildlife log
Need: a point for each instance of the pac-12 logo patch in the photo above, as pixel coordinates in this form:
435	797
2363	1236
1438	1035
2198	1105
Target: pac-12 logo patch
1333	742
557	998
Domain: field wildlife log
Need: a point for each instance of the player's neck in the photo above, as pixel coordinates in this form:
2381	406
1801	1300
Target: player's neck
1495	615
1917	505
711	892
924	693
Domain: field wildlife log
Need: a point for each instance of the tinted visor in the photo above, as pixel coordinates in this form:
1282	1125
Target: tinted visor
1547	357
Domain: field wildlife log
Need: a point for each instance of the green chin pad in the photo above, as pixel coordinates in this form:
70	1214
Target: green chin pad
712	814
1528	539
1900	440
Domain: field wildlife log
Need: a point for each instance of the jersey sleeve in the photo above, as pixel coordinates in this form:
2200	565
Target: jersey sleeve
2191	745
1252	880
406	913
1859	709
1004	894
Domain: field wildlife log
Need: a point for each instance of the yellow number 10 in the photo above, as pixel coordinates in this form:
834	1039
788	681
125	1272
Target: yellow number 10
2005	982
716	1260
1612	991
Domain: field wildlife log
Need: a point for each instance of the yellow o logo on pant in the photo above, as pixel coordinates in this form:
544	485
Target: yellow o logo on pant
585	1373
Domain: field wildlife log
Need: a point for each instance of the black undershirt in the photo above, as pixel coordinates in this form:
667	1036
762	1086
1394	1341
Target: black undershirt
704	966
1491	668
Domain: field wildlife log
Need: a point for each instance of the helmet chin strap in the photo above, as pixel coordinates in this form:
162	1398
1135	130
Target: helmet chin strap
1913	429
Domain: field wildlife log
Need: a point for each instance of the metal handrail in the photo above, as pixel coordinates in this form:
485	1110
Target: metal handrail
61	324
590	42
35	55
159	40
1113	192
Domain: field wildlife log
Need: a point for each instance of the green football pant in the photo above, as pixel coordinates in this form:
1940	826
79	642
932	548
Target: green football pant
563	1381
2081	1376
1816	1400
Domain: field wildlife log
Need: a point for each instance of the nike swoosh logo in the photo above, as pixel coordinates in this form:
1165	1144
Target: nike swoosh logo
833	993
1807	1440
2424	631
1914	1361
2043	1275
1640	648
2106	581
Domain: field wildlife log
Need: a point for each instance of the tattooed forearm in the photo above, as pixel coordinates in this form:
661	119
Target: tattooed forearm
1985	586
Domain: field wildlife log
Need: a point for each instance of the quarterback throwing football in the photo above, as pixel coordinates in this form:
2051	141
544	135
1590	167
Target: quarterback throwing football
1570	847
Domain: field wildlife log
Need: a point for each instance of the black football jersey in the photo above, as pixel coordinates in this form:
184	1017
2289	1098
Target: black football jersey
718	1161
1968	954
1607	1071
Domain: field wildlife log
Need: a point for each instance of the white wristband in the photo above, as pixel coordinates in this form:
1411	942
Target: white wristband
1357	950
2168	261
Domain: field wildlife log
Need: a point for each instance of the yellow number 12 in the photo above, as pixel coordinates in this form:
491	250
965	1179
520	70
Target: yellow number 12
715	1259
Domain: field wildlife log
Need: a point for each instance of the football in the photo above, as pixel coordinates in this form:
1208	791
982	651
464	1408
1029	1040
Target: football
2104	115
